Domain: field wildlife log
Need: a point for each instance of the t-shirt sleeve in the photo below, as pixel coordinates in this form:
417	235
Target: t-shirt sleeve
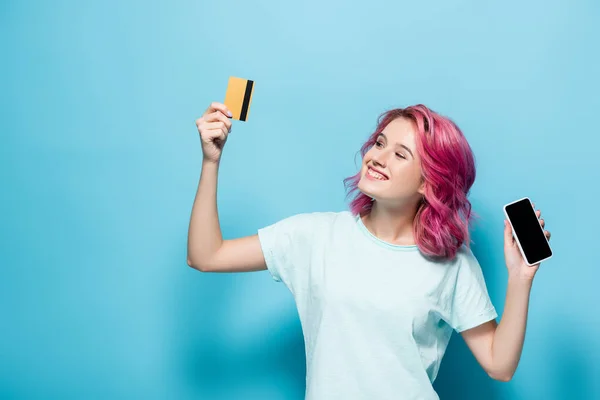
471	304
287	246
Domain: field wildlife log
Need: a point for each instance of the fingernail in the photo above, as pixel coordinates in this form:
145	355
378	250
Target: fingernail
229	113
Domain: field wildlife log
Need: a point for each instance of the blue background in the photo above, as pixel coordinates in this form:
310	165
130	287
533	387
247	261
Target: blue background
100	161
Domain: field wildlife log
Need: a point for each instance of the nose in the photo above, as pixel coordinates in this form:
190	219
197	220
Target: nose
379	158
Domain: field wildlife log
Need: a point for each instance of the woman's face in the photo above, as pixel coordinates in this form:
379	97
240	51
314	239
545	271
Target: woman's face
395	156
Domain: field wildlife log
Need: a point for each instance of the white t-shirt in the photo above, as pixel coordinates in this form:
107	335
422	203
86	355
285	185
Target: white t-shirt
376	317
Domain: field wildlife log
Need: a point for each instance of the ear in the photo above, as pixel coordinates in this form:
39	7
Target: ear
421	189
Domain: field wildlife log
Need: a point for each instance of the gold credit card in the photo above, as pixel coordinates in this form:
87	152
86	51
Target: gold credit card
238	97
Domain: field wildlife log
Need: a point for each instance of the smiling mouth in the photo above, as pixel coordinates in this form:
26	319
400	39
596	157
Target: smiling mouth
376	175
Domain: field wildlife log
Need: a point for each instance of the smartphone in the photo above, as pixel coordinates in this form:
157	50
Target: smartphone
528	231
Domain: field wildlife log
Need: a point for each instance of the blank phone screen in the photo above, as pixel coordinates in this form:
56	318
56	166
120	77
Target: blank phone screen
528	231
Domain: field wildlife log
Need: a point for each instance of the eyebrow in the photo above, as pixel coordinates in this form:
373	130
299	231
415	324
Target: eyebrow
398	144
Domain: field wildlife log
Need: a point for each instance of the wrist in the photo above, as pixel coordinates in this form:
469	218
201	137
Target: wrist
519	279
209	163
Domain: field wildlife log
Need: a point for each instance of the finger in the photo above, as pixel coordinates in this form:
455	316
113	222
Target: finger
507	233
538	213
542	222
216	106
212	134
224	120
217	116
548	234
209	126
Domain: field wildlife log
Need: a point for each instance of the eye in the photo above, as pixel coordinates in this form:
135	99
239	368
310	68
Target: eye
401	155
378	143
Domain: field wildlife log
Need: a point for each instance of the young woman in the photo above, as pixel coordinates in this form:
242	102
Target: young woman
380	287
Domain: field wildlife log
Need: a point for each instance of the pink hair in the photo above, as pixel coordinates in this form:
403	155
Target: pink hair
448	167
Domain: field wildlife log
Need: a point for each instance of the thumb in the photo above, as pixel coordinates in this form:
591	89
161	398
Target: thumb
508	239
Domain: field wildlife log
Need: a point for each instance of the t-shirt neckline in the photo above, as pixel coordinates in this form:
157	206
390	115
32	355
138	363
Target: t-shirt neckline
382	243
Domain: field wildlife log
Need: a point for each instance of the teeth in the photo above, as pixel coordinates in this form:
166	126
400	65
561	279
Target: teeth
376	175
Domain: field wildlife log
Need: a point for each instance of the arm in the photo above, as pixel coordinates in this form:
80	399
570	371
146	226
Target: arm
206	249
498	347
204	232
510	334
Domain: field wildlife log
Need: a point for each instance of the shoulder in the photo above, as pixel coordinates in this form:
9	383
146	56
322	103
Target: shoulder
468	265
465	255
313	221
323	218
464	260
